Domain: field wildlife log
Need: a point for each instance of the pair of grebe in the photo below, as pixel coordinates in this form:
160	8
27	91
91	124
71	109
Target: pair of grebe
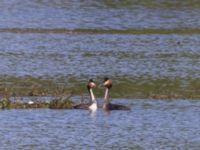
107	105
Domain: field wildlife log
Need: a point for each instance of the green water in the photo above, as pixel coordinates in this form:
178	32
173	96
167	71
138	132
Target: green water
127	87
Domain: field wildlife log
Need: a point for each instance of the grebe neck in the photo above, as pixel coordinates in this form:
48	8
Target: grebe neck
93	106
106	97
92	96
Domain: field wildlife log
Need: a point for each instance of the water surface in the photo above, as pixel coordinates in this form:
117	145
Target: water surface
146	47
105	14
94	55
151	124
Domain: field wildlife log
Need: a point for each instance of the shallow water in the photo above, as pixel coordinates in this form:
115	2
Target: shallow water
151	124
94	55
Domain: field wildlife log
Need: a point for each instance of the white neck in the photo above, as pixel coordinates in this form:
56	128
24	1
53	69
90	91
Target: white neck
92	96
106	97
93	106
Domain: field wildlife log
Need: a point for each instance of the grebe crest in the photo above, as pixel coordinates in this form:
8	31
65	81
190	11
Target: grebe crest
107	82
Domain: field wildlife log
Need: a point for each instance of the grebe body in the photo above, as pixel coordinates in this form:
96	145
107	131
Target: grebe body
107	105
91	105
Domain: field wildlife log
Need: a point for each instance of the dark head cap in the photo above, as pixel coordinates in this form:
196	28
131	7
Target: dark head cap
107	82
90	80
106	79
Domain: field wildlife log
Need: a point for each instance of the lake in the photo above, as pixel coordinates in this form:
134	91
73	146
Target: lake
150	124
149	48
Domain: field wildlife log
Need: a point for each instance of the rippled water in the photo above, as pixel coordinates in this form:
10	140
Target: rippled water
55	53
135	39
149	125
94	55
99	14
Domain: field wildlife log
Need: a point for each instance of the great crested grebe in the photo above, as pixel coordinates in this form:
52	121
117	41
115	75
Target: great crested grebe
107	105
91	105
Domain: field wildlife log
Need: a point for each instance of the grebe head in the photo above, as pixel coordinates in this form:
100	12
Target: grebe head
91	84
107	82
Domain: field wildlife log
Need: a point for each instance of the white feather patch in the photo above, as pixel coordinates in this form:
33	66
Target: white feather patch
93	107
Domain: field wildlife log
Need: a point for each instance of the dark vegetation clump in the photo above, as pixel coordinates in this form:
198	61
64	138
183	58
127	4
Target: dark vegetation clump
4	103
59	103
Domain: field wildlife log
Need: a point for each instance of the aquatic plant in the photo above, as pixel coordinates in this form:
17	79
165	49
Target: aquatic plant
18	105
61	103
4	103
125	87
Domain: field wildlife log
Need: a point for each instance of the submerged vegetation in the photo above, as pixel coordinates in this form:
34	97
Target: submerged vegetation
123	87
104	31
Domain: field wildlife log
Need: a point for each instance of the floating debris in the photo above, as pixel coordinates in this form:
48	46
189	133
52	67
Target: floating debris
30	102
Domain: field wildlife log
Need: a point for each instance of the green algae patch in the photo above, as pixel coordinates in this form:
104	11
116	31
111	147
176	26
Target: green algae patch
103	31
141	31
143	87
32	86
156	88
